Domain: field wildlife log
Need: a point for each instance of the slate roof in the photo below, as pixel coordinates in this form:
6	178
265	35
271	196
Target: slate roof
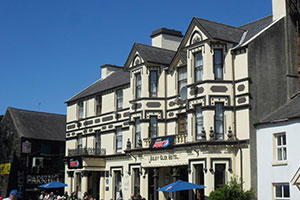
220	31
39	125
155	54
113	80
256	26
289	110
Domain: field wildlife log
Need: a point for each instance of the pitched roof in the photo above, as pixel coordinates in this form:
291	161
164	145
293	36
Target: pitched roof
39	125
113	80
288	111
220	31
256	26
155	54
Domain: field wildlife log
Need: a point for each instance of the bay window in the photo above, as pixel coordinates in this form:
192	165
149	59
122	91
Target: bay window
138	86
137	133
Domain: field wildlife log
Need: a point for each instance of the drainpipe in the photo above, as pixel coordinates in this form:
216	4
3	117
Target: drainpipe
166	102
298	49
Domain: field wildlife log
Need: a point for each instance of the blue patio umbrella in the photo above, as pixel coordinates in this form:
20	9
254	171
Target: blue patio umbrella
179	186
53	184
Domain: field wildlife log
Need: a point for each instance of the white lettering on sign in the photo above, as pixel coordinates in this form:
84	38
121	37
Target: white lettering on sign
21	181
41	179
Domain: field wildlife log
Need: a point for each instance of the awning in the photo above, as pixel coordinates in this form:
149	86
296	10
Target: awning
296	179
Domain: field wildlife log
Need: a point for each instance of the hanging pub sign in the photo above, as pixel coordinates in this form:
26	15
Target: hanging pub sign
5	168
75	163
26	147
162	142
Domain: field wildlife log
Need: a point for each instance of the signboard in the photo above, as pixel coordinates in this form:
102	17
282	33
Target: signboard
162	142
26	147
5	168
40	179
75	163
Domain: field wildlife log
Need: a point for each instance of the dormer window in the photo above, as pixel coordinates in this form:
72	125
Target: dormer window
153	84
218	64
182	82
198	67
119	99
80	110
138	86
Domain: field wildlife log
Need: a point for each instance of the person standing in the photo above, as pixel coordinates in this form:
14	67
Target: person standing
13	195
131	197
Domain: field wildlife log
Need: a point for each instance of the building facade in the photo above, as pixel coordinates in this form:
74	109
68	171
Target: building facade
183	108
278	157
31	151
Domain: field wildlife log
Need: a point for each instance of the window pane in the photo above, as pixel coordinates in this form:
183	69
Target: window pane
137	132
199	121
199	74
218	63
138	85
279	154
278	191
219	175
199	60
153	83
219	118
284	153
182	73
286	191
153	126
80	105
279	140
283	139
183	90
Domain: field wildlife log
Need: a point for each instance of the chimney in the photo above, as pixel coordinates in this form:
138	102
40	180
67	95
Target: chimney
166	38
279	8
108	68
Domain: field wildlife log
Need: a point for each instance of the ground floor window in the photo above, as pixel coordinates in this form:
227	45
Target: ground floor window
136	181
219	175
118	185
282	191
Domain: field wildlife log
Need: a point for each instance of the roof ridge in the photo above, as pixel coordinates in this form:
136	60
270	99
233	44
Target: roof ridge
154	47
230	26
259	19
33	111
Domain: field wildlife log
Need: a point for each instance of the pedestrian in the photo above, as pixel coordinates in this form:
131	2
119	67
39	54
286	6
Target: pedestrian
13	195
138	197
51	196
131	197
41	197
85	196
46	196
66	196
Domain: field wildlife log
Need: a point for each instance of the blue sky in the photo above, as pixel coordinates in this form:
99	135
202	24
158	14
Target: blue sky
52	49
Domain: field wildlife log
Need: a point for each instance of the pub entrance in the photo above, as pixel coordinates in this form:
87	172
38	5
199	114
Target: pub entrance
159	177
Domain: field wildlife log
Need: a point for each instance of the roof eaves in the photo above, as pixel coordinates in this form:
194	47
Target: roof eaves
259	33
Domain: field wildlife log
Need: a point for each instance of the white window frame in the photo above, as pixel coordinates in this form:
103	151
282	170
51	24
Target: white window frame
281	185
98	104
282	148
182	82
138	85
137	134
199	121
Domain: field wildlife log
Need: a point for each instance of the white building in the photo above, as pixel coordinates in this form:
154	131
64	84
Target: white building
278	156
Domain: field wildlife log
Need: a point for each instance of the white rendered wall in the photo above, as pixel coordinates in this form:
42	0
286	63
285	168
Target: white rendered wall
267	172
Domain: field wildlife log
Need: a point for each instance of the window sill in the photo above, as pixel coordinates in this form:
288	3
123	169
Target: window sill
284	163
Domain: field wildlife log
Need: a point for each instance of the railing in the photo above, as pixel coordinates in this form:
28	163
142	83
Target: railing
87	152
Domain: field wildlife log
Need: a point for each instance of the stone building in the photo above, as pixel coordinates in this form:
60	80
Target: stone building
31	150
182	108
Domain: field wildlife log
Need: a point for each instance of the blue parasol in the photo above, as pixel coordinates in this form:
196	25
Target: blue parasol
179	186
53	184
